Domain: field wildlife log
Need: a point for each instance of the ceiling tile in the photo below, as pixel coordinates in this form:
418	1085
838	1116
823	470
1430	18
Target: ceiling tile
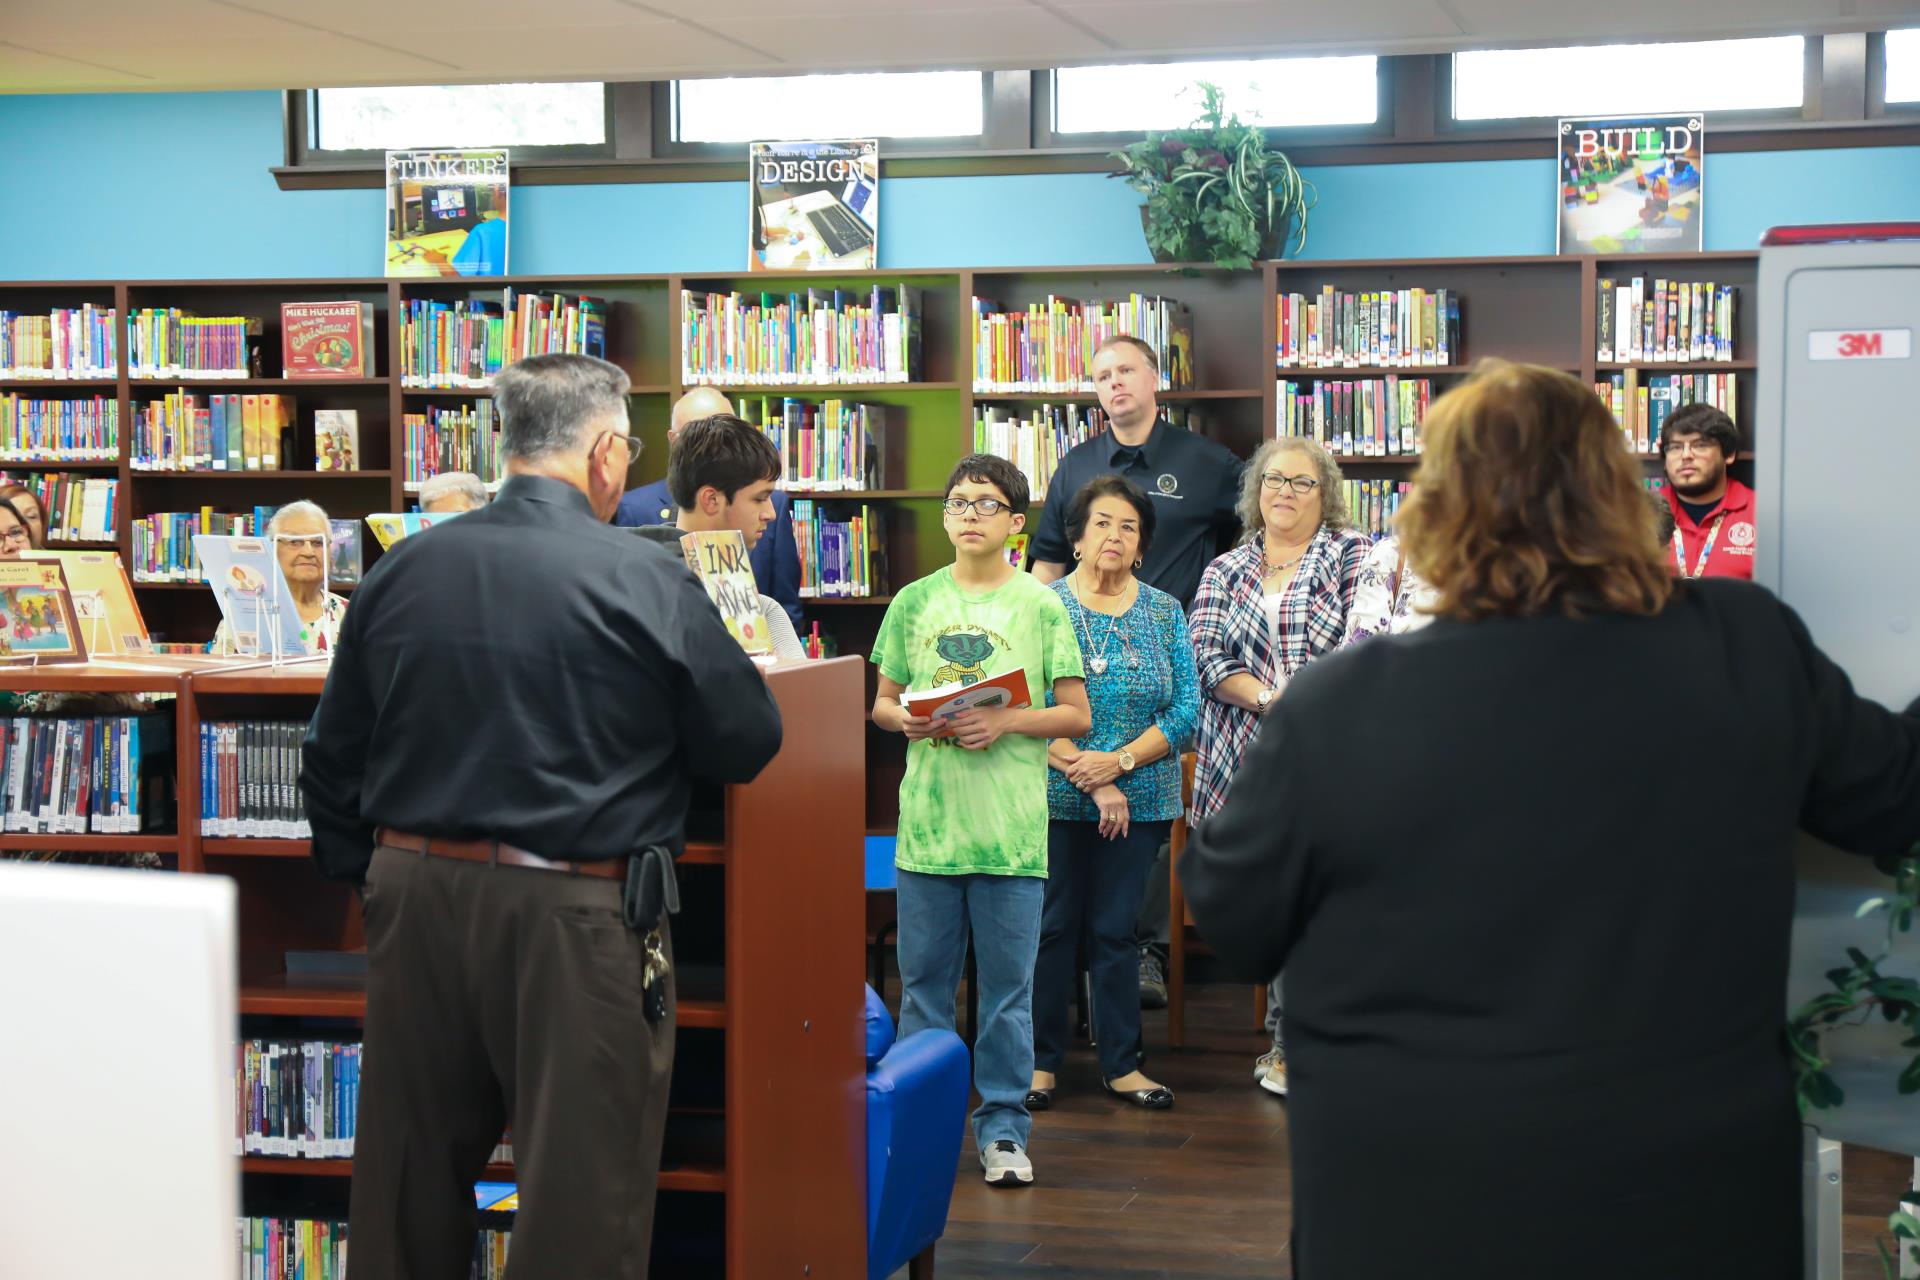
943	38
30	71
643	50
1249	28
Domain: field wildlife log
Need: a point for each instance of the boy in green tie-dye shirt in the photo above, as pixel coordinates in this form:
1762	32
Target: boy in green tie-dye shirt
972	847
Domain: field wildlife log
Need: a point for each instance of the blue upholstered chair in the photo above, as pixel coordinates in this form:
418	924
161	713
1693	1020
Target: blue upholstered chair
916	1114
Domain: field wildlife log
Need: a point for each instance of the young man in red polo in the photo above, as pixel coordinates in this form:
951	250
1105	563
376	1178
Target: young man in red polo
1713	527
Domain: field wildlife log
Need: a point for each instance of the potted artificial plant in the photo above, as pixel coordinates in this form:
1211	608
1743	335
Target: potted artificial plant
1215	191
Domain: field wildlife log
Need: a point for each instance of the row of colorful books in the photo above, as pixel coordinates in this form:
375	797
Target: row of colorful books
462	344
1373	504
1397	328
1642	402
1673	320
162	542
167	342
250	776
835	444
1035	441
77	507
75	776
292	1249
823	336
443	439
182	431
316	1249
66	342
1369	417
296	1098
59	430
839	559
1048	346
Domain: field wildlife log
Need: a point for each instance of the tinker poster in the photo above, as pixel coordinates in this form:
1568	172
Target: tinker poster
447	213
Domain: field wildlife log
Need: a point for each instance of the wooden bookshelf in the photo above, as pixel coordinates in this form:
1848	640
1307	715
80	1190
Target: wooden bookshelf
1532	308
776	991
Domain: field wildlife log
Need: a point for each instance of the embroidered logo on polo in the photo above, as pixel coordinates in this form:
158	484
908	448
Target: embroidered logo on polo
1740	535
1168	485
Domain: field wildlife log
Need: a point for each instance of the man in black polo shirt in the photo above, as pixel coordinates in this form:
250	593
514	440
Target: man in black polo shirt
1194	485
1193	482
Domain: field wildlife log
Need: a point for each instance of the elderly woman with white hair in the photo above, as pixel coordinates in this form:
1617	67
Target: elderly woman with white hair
1265	610
452	492
299	534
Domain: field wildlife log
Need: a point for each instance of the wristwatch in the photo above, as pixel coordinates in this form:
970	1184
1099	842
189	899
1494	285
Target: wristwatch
1261	699
1126	761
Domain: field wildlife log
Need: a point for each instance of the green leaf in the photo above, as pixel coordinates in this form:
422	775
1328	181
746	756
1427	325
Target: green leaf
1868	907
1909	1081
1859	958
1905	1225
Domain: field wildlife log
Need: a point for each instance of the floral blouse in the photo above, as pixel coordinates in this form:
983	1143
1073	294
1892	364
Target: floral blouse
1381	606
326	628
1140	675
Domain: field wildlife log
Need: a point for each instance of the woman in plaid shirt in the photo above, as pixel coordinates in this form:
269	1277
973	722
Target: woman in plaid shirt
1264	610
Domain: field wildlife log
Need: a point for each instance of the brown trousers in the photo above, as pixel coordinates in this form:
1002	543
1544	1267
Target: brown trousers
496	994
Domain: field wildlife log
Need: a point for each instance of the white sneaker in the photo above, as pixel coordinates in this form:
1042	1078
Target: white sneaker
1270	1072
1006	1164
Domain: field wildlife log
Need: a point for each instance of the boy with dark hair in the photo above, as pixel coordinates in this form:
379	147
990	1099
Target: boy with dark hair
972	845
722	474
1714	532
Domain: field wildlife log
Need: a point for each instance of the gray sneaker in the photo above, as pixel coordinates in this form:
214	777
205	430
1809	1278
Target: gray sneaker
1270	1072
1153	981
1006	1164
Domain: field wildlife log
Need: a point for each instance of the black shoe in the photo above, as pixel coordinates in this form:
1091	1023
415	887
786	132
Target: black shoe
1153	981
1158	1098
1040	1099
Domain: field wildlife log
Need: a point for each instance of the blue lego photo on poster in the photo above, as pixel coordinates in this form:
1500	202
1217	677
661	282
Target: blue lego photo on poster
255	600
816	205
1631	184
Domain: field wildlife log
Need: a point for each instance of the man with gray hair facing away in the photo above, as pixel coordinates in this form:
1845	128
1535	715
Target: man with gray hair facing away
517	875
452	492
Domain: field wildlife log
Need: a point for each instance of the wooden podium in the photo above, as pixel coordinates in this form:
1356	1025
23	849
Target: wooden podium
764	1170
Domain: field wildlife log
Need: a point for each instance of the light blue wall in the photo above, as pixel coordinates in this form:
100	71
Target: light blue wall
165	185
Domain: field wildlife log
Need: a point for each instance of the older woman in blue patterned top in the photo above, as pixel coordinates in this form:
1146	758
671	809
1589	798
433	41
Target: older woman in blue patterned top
1264	610
1112	795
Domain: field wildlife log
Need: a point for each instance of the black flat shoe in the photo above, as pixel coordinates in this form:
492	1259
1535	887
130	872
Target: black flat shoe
1158	1098
1040	1099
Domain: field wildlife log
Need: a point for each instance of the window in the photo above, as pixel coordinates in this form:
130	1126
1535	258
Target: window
1271	92
1619	79
1903	65
918	104
460	115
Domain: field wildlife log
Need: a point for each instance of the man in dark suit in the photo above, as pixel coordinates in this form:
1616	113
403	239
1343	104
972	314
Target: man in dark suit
775	558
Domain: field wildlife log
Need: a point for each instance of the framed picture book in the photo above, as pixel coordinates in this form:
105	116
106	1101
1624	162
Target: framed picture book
103	601
255	601
815	206
447	213
1631	184
37	618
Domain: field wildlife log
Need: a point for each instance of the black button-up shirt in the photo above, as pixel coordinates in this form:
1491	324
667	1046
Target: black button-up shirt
1192	482
529	674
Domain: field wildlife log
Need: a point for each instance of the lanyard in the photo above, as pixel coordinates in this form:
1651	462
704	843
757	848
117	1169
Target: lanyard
1706	548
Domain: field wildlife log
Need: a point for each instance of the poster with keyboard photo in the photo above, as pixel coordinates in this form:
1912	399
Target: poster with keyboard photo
816	205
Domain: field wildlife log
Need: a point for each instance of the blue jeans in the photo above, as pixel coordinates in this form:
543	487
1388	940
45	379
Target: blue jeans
1003	914
1093	888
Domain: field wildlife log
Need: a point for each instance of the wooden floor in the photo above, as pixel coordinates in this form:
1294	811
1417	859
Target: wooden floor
1201	1191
